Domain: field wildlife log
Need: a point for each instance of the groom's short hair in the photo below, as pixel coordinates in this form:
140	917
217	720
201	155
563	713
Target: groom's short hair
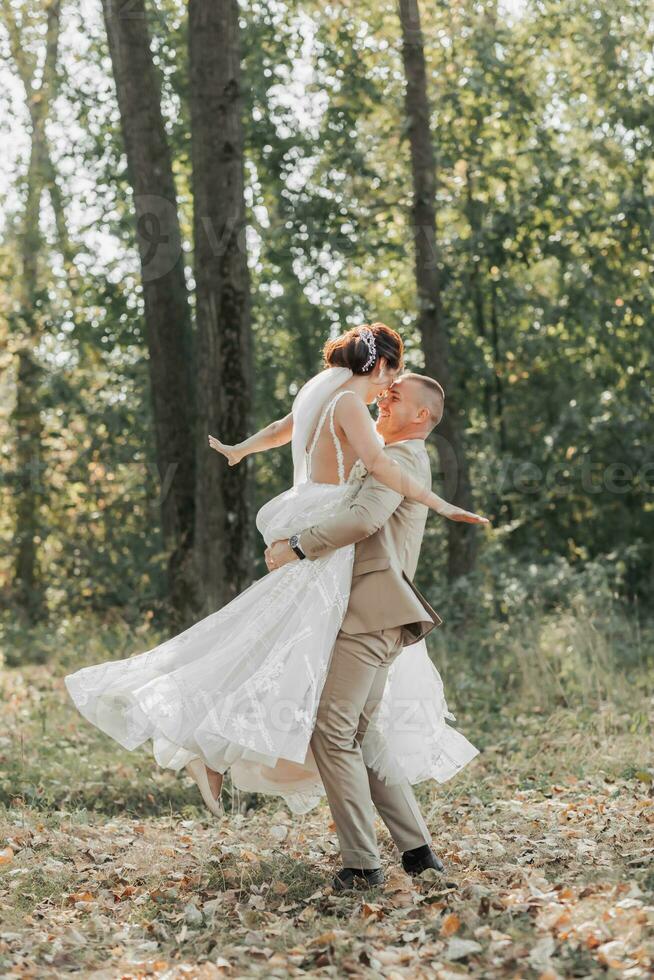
433	394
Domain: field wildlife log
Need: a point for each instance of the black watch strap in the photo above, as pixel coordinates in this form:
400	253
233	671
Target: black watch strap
294	542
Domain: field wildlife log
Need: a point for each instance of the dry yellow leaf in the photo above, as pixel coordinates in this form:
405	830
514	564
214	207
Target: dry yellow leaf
451	924
324	939
80	897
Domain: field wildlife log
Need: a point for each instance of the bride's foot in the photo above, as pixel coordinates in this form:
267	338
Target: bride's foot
215	783
199	772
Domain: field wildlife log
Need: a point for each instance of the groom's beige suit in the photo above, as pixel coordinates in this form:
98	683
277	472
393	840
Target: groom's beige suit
385	613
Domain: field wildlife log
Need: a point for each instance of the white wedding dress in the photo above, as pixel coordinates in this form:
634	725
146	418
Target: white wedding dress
240	689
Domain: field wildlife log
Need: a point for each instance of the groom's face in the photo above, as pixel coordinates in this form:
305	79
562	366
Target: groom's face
397	408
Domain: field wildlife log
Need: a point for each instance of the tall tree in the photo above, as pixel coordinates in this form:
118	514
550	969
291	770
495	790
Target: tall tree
431	319
222	280
166	307
30	314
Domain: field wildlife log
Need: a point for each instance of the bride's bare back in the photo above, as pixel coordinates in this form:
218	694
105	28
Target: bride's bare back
326	439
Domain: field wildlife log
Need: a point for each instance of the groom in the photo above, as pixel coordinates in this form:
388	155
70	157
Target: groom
385	613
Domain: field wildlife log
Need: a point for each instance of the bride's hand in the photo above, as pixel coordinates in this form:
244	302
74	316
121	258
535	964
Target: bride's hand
231	453
278	554
457	514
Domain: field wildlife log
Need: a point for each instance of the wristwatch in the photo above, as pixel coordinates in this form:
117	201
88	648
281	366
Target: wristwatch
294	542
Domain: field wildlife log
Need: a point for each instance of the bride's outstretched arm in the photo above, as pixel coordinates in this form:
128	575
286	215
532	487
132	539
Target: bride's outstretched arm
278	433
359	429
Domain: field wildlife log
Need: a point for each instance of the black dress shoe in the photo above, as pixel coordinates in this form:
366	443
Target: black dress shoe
418	859
346	878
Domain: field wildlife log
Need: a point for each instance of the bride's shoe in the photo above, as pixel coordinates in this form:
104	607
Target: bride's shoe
198	771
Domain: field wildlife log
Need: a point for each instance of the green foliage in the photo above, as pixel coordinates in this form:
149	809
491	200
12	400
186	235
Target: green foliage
540	636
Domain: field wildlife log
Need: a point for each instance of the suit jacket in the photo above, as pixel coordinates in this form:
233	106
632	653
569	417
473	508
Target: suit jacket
387	529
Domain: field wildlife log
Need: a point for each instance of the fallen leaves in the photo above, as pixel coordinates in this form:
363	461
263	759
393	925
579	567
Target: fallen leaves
451	924
370	911
80	899
549	875
461	949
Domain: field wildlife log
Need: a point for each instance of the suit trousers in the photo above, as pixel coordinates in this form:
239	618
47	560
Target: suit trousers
353	688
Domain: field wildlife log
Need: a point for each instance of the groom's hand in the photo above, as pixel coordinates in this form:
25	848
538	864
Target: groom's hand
279	553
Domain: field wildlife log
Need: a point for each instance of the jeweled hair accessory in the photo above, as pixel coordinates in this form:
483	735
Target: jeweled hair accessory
368	337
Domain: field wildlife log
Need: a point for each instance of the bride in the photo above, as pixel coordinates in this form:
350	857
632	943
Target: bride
239	690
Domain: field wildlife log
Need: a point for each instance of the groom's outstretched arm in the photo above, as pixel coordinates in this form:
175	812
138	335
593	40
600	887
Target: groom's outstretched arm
365	513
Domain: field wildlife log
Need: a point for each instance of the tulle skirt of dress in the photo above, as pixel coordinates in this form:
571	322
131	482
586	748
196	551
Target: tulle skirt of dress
240	689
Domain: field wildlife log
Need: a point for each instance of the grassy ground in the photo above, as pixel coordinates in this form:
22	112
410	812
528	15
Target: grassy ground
110	868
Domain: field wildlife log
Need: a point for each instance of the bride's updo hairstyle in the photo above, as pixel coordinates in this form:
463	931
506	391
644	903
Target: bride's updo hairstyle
351	350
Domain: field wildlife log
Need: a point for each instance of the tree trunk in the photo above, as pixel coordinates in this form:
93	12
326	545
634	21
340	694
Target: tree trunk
474	215
431	322
26	415
167	315
497	371
223	527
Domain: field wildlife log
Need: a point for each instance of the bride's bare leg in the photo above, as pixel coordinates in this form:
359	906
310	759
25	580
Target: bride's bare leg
215	781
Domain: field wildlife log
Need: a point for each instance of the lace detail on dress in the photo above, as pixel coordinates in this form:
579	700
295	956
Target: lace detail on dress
337	443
